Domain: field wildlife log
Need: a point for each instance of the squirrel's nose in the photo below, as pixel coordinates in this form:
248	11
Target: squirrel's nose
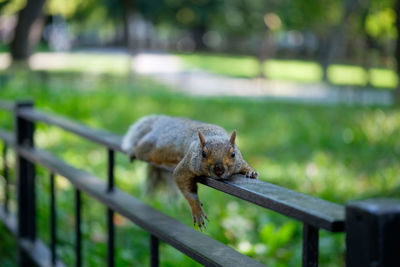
219	169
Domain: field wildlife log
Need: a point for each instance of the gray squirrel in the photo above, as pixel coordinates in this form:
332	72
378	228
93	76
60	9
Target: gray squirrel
189	149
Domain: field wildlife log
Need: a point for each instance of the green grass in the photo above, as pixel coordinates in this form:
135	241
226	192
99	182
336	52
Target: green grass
94	63
301	71
8	255
292	70
349	75
238	66
383	78
337	153
229	65
3	48
76	62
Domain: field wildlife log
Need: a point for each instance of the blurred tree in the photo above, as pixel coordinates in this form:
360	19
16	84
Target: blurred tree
125	13
195	16
231	25
339	36
129	9
122	12
28	30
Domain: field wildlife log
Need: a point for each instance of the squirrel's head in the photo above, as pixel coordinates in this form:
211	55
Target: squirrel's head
218	156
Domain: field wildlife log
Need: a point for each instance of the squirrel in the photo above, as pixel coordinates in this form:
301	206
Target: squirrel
189	149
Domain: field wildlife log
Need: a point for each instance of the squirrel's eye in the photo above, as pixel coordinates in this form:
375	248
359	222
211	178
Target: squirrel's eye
232	154
203	153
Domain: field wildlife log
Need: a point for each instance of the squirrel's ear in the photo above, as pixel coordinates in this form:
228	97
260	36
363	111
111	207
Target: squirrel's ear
202	139
233	137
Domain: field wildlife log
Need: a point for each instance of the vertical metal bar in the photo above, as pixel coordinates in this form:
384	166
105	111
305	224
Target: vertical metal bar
53	220
110	213
110	241
373	232
24	136
154	251
5	175
310	246
110	170
78	240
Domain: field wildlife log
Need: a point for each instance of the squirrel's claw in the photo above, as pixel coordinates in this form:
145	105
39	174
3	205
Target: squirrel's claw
251	174
200	222
198	218
205	216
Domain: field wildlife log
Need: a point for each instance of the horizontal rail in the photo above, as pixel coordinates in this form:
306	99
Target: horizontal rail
7	105
37	250
305	208
102	137
308	209
7	137
198	246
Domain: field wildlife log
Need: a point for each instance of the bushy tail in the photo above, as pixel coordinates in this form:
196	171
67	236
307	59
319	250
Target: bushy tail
129	139
136	132
159	179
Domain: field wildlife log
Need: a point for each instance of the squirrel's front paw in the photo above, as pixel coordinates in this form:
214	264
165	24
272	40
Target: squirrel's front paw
198	217
251	174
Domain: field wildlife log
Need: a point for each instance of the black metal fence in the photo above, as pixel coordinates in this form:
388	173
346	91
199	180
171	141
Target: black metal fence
372	226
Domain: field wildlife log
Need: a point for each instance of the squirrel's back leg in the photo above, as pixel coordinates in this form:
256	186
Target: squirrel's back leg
137	132
144	147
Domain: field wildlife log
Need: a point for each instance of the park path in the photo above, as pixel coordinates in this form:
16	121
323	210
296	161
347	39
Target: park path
169	70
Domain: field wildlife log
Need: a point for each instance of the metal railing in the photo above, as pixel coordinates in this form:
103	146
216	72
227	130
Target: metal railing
313	212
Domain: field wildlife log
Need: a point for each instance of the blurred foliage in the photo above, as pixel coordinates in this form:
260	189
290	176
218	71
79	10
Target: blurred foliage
371	22
244	17
8	257
381	23
9	7
334	152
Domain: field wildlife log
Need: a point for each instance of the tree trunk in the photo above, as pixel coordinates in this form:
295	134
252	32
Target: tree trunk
337	46
267	50
129	12
397	51
323	54
198	33
26	33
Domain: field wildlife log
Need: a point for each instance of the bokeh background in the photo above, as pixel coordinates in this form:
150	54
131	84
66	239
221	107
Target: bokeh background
310	86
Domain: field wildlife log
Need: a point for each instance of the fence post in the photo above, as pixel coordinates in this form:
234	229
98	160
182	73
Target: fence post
24	131
373	233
